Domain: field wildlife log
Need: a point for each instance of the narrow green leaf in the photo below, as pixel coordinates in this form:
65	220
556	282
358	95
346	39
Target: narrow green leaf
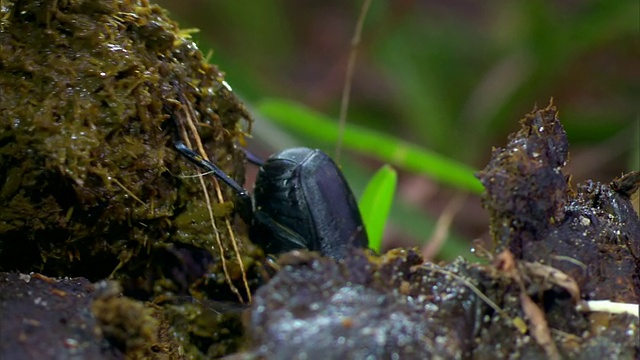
386	148
375	204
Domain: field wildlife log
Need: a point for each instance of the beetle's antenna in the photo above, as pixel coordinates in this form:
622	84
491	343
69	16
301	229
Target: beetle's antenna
253	158
244	198
346	91
209	167
245	208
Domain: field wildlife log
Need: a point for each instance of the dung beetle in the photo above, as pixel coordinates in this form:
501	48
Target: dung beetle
301	201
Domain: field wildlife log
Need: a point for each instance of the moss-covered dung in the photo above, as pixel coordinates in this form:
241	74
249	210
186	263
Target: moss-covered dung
91	182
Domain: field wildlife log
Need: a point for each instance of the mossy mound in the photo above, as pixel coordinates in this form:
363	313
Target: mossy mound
91	183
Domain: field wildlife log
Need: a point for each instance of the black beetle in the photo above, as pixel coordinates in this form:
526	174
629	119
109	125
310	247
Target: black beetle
301	201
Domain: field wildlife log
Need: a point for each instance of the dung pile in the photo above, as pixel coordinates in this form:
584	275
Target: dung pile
92	186
92	95
554	248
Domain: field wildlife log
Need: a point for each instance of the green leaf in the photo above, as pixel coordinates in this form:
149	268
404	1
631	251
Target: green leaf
375	204
386	148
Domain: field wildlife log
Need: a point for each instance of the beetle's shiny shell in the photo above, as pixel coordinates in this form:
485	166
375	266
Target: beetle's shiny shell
302	200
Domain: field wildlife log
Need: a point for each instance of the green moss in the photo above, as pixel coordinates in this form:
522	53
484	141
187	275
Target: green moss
91	181
126	323
91	184
206	329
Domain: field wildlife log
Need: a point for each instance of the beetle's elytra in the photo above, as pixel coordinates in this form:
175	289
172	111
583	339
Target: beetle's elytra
301	201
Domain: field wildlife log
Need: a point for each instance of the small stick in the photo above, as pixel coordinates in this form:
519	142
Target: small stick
346	91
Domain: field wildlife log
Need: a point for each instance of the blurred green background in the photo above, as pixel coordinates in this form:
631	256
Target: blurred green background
453	77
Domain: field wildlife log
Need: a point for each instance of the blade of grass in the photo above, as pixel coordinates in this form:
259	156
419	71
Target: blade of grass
375	204
386	148
409	219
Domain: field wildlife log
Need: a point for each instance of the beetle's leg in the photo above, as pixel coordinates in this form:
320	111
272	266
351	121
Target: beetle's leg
278	233
252	158
245	208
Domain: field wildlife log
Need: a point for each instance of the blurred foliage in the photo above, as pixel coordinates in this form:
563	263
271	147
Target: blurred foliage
386	148
375	204
454	77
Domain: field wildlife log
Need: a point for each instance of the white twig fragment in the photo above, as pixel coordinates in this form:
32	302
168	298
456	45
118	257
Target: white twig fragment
609	306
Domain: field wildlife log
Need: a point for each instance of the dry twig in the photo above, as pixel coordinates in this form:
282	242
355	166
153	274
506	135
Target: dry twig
190	115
